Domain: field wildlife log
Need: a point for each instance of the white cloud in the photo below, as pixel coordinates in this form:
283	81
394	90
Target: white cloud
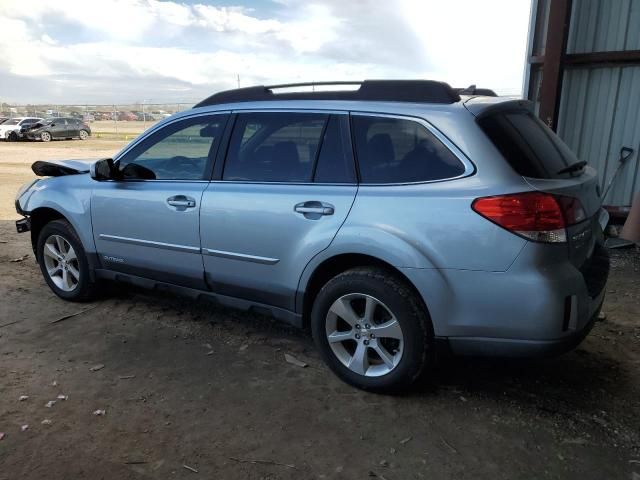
126	50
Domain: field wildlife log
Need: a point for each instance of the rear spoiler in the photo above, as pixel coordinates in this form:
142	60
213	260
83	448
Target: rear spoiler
482	106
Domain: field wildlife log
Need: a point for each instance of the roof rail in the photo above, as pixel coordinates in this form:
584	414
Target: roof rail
473	90
421	91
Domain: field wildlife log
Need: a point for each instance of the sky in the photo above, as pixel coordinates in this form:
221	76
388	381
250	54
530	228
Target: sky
117	51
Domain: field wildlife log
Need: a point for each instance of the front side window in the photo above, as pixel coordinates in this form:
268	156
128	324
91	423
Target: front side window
178	151
393	150
274	147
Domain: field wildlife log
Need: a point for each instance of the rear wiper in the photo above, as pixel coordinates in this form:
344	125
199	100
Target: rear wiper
574	167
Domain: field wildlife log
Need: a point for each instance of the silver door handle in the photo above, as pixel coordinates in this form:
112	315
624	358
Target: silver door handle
314	208
181	201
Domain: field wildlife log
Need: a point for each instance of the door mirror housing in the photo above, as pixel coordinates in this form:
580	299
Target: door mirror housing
105	169
134	171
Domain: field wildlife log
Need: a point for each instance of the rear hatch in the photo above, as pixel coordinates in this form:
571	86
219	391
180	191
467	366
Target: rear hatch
549	166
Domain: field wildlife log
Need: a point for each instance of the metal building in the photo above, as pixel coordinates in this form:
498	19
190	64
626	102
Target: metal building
583	73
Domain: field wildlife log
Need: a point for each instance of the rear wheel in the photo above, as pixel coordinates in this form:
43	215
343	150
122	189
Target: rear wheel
63	262
84	134
45	136
372	330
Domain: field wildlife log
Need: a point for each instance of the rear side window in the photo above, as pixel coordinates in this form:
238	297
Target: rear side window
274	147
529	146
393	150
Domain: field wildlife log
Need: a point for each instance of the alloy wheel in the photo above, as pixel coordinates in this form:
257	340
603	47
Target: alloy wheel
364	334
83	135
61	263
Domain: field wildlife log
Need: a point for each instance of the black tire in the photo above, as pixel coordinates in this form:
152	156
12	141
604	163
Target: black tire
408	309
13	137
45	137
85	289
83	135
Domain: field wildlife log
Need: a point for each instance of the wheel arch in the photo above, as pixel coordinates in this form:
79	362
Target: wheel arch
39	218
334	265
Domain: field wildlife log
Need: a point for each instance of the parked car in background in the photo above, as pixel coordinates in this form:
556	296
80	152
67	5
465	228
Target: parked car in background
3	119
10	129
160	114
58	128
103	115
88	117
127	116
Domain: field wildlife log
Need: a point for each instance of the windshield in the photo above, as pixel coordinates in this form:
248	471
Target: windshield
12	121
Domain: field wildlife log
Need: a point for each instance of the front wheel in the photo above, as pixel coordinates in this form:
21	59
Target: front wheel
45	136
372	330
63	262
13	137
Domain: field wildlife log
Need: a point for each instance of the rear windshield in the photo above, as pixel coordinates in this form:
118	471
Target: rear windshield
530	147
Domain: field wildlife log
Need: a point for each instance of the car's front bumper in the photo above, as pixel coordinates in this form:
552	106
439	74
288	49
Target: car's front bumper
23	225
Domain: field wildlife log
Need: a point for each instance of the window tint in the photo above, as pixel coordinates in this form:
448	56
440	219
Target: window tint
274	147
527	144
392	150
178	151
335	163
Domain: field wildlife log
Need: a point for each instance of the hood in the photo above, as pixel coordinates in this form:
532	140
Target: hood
58	168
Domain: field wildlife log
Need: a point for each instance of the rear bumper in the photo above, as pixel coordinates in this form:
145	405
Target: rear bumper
504	347
542	305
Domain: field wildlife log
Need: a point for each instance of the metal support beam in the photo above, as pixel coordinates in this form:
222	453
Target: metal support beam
599	59
557	31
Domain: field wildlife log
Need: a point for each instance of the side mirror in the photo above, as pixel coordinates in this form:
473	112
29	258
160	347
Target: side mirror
104	169
134	171
53	124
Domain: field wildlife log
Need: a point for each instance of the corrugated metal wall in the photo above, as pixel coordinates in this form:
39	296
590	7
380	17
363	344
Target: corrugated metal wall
599	114
604	25
600	107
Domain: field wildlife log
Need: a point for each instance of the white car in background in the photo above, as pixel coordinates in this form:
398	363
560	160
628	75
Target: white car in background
10	129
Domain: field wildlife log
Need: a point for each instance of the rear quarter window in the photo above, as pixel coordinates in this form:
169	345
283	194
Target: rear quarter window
395	150
528	145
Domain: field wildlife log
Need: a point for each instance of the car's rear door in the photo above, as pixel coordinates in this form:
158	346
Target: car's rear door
287	185
73	128
151	227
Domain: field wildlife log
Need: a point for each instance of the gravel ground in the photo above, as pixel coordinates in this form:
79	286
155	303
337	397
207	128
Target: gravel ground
187	386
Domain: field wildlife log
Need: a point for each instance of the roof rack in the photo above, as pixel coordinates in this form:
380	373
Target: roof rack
422	91
473	90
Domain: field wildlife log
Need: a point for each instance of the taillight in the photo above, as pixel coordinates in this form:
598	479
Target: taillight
537	216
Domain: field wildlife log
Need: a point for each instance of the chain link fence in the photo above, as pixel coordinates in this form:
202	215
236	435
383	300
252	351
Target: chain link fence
110	121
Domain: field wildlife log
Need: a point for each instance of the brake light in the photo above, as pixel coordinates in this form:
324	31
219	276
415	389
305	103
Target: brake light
537	216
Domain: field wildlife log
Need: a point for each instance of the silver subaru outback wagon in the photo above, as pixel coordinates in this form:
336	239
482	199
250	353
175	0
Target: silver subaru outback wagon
391	219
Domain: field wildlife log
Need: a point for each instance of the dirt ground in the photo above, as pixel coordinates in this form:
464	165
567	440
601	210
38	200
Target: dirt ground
188	386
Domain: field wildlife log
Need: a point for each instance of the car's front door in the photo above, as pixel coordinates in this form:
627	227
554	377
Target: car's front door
148	224
287	186
58	128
